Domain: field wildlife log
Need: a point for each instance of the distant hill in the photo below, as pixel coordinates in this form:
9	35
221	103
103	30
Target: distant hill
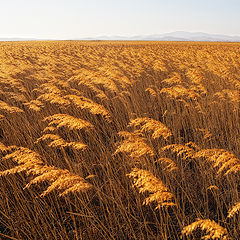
173	36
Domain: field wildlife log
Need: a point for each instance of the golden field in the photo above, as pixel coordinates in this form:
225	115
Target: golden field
119	140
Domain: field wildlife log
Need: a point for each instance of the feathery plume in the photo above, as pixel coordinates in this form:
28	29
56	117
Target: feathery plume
34	105
86	103
25	158
52	94
134	145
175	79
9	109
60	180
223	160
57	141
31	163
168	164
151	91
157	128
181	150
213	230
234	210
68	121
146	182
180	92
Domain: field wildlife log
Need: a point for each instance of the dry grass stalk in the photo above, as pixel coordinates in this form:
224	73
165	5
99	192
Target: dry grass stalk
151	91
68	121
196	76
6	150
228	95
157	128
206	134
17	97
146	182
94	78
9	109
53	98
3	148
134	145
174	80
52	94
213	188
86	103
159	65
50	88
31	163
223	160
234	210
25	159
34	105
12	83
60	180
183	151
179	92
99	93
192	145
168	164
49	129
213	230
56	141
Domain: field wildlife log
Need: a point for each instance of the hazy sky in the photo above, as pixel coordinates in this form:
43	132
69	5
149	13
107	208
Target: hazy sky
66	19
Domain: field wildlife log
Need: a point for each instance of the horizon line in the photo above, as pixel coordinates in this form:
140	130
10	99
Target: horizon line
177	36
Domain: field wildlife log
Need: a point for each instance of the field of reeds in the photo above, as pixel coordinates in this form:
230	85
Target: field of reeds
119	140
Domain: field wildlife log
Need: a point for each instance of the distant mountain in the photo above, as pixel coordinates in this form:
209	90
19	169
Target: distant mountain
174	36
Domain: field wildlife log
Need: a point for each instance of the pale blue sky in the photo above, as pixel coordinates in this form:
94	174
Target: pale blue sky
66	19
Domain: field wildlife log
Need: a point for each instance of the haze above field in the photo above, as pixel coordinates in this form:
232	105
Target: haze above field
128	20
173	36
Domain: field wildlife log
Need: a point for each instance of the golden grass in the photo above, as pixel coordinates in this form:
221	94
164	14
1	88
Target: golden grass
119	140
213	230
70	122
234	210
4	107
145	181
134	145
57	141
31	163
85	103
150	125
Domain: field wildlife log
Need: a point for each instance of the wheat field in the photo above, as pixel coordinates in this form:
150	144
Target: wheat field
119	140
